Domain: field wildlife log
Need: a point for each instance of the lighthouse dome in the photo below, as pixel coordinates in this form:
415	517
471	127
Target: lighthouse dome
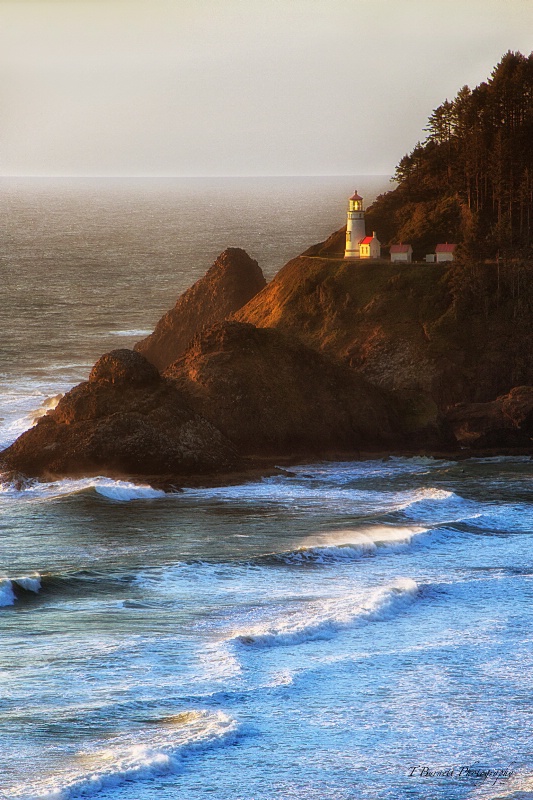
356	196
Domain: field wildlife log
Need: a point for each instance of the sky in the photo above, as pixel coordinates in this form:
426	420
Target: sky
236	87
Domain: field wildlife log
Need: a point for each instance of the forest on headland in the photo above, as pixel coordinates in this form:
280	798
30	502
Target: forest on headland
471	180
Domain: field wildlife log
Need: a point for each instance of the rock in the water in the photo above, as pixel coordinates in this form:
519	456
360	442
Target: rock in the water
270	394
505	422
231	282
126	420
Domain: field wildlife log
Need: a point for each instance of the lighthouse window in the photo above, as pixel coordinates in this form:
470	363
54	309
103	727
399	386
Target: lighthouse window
348	236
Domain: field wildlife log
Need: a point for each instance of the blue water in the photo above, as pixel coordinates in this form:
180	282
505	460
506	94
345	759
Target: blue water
330	635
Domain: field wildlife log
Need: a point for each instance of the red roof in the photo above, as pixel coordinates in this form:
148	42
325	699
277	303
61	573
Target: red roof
445	248
400	248
355	196
367	240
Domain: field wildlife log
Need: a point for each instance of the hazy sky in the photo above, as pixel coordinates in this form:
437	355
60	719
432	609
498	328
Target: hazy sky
236	87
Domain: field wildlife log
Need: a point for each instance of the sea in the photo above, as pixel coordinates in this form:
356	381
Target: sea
351	631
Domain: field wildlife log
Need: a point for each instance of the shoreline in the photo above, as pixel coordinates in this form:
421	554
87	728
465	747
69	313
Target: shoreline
281	466
269	467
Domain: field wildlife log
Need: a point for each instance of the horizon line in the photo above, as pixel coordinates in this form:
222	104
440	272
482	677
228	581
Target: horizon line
174	177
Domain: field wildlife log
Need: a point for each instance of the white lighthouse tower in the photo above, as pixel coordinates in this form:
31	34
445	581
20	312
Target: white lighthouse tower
355	226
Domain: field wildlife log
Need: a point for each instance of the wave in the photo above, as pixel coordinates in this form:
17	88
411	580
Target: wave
65	585
24	401
117	490
439	507
303	496
343	472
350	544
502	519
162	749
133	332
325	619
10	588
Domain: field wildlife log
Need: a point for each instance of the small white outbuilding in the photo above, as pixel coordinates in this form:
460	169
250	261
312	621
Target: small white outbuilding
445	252
401	252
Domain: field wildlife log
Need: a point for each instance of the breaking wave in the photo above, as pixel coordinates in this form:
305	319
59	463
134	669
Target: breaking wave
351	544
325	619
161	750
11	588
117	490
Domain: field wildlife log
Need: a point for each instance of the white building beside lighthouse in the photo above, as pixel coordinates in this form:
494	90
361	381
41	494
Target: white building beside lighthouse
355	226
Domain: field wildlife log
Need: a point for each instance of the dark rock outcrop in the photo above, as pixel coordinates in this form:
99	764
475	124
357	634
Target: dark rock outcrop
231	282
126	420
503	423
124	367
271	394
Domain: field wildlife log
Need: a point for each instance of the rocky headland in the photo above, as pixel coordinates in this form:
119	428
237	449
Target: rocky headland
334	358
233	279
330	359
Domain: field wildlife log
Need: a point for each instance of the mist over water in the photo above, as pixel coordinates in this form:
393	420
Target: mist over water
313	636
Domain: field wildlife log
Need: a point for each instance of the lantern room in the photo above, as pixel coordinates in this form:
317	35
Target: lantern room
355	203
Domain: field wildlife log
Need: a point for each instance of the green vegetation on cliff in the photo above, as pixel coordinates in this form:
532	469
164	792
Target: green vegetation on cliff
471	180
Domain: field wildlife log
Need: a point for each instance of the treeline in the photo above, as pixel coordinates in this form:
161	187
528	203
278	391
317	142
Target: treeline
471	180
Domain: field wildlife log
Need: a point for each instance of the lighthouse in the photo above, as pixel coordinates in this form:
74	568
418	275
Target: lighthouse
355	226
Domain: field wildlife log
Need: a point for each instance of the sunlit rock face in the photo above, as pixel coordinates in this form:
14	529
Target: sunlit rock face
231	282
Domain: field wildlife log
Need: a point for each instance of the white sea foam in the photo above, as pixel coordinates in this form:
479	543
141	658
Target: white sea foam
159	750
343	472
30	583
23	402
119	491
324	619
125	490
352	544
133	332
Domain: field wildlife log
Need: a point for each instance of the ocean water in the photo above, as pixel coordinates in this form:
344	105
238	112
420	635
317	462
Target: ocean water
346	632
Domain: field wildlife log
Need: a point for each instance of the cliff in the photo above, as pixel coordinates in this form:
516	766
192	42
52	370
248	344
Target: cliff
270	394
233	279
504	422
449	334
